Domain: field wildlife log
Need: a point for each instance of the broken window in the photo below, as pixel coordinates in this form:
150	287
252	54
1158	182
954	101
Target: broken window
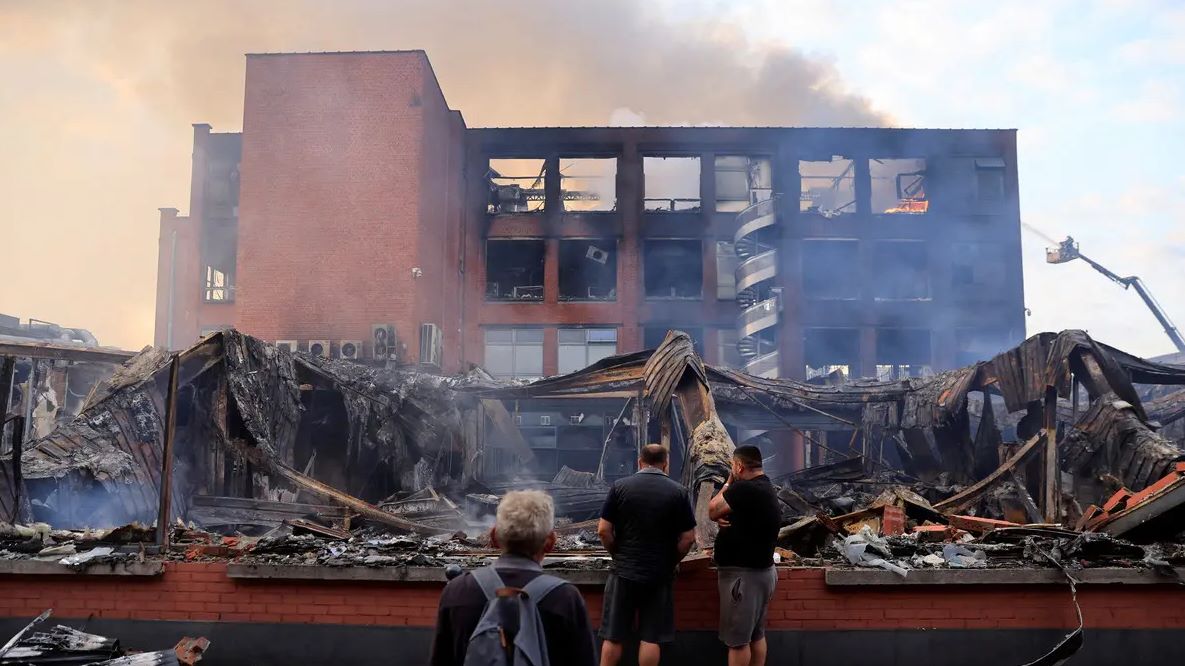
900	270
741	181
579	442
218	288
556	439
902	352
974	345
898	186
588	269
726	270
219	248
514	269
652	336
977	266
515	353
674	268
588	184
672	184
827	350
828	188
515	185
581	347
989	179
830	269
727	354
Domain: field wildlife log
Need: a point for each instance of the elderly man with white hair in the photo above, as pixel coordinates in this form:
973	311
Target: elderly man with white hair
524	532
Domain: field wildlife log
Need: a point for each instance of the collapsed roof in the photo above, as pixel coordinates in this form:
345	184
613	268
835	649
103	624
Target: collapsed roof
244	409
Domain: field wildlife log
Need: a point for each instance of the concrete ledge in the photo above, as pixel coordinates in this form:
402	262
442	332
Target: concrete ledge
390	574
1103	576
38	568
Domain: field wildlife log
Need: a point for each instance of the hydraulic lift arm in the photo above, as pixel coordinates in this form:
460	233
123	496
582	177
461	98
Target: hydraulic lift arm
1067	250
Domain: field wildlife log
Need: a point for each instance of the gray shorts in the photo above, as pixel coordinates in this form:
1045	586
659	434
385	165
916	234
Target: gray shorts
744	596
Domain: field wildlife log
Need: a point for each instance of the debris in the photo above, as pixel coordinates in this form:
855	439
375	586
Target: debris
189	650
961	557
7	647
857	549
65	645
88	556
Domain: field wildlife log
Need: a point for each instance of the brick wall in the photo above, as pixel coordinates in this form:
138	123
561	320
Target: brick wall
203	592
332	208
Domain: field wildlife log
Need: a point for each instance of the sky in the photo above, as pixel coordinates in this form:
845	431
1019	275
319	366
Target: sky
99	97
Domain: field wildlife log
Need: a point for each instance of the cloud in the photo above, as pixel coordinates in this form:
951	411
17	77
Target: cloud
1157	101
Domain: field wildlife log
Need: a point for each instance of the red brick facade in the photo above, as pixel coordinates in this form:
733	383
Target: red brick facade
345	190
203	592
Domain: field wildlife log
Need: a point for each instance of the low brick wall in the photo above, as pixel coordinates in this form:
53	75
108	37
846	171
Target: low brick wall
203	592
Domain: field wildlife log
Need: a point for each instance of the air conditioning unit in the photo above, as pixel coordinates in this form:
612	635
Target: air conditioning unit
290	345
545	420
596	254
319	348
382	342
350	349
430	345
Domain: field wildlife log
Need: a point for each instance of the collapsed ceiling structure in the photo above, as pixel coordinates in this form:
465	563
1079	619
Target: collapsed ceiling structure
237	436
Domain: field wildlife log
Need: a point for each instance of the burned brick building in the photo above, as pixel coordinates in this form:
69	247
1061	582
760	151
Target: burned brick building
358	216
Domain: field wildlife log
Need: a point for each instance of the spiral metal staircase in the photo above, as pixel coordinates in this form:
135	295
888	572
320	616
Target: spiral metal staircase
759	298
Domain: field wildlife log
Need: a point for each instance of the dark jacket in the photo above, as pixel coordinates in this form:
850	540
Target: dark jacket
565	618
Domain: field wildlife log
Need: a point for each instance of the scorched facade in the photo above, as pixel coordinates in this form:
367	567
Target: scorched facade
357	216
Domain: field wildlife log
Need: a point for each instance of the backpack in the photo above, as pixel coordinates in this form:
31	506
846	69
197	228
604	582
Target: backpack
510	631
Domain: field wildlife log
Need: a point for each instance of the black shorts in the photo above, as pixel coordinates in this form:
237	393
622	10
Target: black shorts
643	610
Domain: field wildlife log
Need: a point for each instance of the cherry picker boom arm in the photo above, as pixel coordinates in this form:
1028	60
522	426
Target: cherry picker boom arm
1067	250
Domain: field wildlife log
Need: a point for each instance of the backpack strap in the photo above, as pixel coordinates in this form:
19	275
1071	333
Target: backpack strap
541	586
489	581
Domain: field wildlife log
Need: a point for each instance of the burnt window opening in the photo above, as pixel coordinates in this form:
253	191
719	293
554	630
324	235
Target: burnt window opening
902	353
218	286
555	439
588	184
727	354
976	266
674	268
828	350
221	190
516	185
831	269
726	270
581	347
900	270
989	179
514	269
898	186
514	353
974	345
653	335
219	248
741	181
671	184
828	188
588	269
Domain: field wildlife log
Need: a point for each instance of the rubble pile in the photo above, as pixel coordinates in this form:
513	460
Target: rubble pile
65	645
260	454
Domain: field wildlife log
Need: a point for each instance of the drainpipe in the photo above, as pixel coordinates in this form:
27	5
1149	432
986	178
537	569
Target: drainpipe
172	288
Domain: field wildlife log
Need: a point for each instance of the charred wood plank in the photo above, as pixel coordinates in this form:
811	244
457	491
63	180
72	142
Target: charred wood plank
960	501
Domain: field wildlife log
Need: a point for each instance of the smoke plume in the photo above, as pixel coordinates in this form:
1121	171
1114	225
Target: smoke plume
100	97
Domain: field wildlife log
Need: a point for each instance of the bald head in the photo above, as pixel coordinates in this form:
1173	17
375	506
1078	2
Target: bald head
654	455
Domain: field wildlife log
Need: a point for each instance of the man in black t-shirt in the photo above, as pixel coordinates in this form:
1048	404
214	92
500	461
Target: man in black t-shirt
746	508
647	525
